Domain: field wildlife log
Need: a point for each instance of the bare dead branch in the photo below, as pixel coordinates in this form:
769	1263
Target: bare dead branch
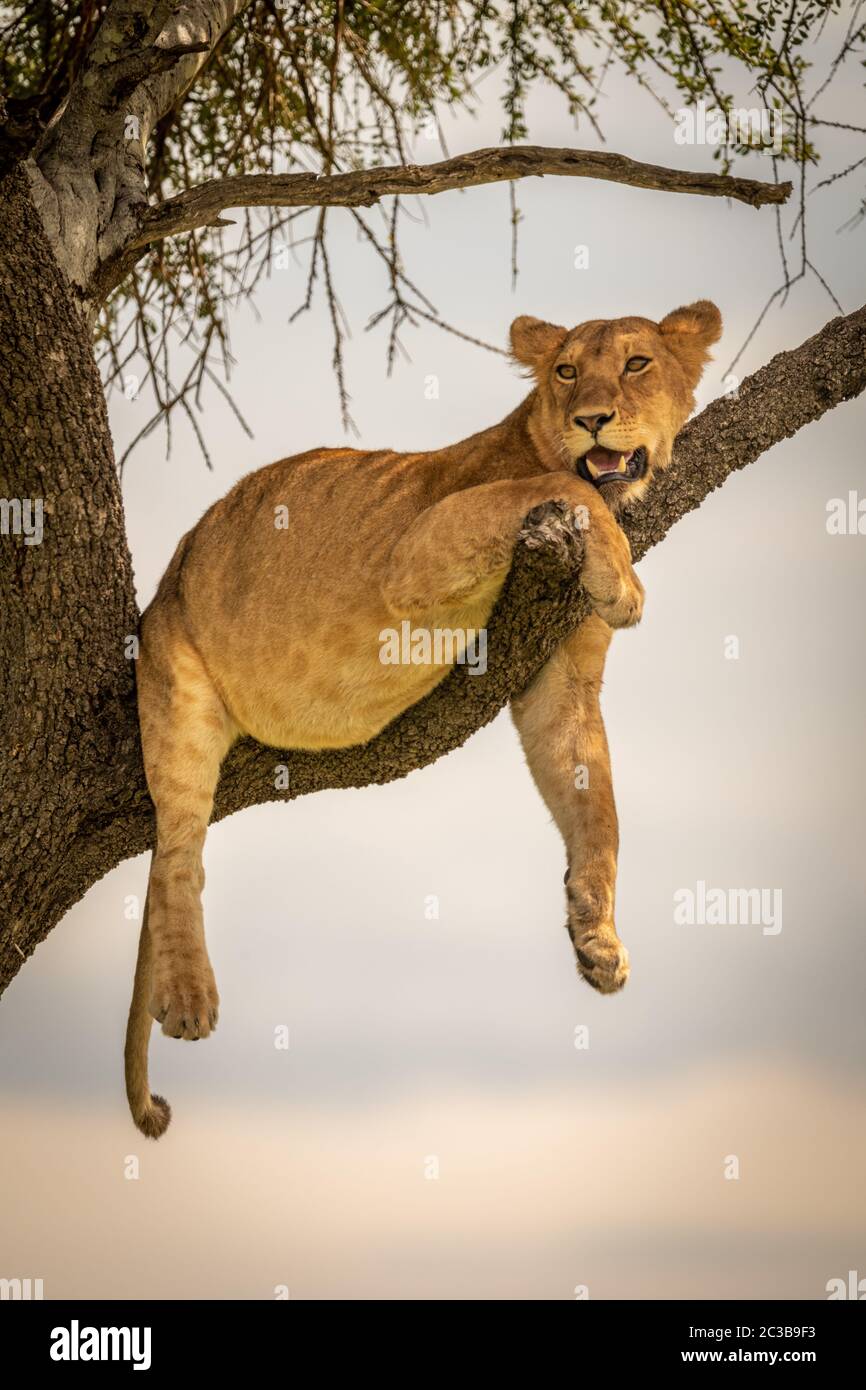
364	187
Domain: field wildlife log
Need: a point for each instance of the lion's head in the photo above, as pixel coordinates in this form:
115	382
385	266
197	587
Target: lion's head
612	394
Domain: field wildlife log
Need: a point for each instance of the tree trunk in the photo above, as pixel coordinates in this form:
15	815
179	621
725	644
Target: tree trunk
66	604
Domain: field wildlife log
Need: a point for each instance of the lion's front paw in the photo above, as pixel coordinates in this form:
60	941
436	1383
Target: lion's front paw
185	1001
602	960
627	608
555	526
617	598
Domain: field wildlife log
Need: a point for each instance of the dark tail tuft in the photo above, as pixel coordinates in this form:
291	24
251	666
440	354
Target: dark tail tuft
155	1119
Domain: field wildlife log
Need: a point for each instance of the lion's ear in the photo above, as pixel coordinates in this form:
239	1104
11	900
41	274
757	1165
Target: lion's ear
690	332
533	340
701	321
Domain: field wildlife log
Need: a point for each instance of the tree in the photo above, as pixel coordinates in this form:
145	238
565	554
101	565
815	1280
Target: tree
126	130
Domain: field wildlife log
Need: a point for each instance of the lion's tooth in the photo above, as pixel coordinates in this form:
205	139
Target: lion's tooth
622	465
592	468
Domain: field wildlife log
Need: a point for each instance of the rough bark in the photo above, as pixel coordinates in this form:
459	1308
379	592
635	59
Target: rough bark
88	168
72	792
67	604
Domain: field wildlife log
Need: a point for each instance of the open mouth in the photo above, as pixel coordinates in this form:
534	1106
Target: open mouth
602	466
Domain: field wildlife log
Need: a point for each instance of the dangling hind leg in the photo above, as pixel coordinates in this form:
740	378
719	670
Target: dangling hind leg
186	732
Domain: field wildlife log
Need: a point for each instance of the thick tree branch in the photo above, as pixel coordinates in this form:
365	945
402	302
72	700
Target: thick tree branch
541	604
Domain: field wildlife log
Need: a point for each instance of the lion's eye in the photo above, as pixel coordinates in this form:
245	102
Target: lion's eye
566	372
637	364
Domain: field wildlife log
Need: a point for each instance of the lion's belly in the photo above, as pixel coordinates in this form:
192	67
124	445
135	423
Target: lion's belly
321	690
329	708
290	623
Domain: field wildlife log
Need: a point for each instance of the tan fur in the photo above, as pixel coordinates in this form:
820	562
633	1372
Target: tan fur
275	632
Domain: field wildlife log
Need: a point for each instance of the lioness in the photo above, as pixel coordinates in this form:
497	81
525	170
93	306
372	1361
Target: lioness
274	631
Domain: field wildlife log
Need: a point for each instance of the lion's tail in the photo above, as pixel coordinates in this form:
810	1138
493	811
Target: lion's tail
151	1114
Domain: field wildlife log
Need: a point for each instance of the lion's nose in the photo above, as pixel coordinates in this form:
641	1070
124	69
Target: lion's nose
593	423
